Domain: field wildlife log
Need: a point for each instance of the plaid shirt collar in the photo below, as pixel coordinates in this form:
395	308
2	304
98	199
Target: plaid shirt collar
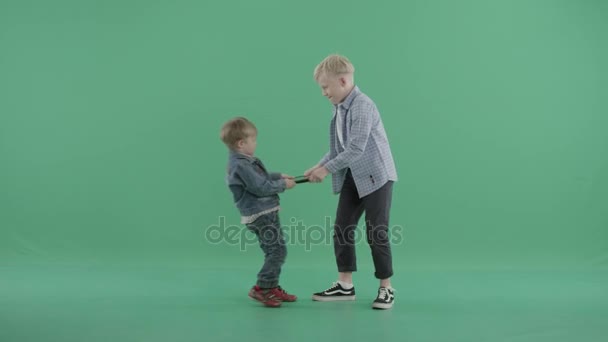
348	101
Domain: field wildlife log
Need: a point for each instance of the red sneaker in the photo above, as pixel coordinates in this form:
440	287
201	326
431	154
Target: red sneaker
266	297
282	295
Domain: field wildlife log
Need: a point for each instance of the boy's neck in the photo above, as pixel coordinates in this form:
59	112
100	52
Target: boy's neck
350	90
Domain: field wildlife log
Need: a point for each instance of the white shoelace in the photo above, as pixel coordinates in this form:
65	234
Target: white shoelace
383	293
333	285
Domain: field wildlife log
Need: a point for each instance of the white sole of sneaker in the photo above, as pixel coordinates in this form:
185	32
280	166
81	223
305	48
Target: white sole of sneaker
333	299
382	306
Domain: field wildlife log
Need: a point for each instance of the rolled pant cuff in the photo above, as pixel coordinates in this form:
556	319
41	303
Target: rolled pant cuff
347	268
383	276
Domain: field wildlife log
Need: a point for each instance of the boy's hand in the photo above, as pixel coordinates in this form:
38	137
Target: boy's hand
309	171
318	174
289	183
284	176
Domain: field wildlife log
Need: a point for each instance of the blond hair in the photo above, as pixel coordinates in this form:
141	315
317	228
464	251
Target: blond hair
236	129
334	65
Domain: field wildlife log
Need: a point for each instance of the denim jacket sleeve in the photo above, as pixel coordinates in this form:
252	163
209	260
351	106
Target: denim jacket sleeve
259	184
275	175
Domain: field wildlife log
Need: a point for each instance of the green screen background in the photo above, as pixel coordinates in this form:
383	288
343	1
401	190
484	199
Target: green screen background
112	171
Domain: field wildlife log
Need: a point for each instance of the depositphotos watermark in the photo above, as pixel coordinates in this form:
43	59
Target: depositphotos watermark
297	233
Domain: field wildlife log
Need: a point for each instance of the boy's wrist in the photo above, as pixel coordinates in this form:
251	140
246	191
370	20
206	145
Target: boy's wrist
329	167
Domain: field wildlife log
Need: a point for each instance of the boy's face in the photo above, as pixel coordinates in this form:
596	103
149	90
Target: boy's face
335	88
247	146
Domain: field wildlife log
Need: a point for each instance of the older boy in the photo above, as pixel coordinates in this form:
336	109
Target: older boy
363	172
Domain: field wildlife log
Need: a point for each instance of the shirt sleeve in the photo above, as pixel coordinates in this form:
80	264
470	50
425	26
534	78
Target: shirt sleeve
325	159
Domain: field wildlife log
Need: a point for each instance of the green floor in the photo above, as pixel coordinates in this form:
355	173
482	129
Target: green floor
89	302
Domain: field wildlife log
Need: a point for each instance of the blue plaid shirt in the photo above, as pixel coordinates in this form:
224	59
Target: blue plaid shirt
366	149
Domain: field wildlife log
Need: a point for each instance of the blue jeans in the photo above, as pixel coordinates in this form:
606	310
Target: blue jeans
268	230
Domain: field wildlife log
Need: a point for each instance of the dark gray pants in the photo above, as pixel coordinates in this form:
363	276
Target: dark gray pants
270	236
377	207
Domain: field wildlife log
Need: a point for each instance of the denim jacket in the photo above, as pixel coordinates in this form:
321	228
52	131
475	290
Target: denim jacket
253	188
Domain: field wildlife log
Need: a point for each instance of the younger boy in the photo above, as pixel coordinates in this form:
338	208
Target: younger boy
255	193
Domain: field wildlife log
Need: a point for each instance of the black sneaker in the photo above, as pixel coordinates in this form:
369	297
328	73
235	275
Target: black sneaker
386	297
335	293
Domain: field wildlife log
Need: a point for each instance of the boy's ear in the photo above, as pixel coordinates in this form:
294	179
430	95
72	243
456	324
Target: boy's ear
345	79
